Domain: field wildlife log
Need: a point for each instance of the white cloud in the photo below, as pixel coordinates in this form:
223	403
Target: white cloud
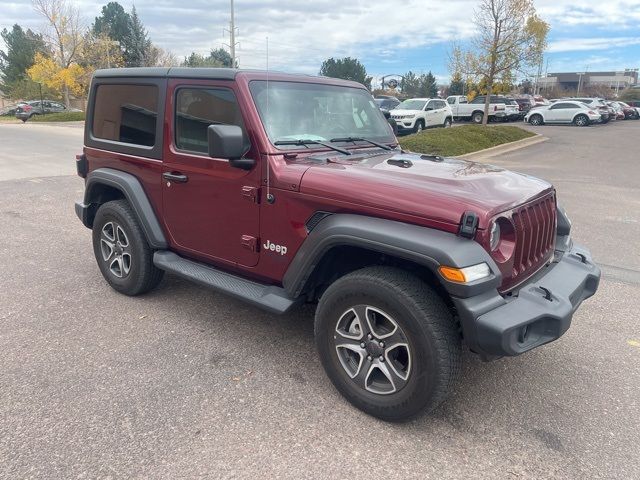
302	33
590	44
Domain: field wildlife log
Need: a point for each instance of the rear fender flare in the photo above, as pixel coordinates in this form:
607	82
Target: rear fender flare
133	191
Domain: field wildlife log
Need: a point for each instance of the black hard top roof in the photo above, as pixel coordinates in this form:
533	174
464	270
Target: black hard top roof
214	74
173	72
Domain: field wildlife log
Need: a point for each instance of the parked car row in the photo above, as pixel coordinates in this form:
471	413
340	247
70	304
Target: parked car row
25	110
416	114
581	112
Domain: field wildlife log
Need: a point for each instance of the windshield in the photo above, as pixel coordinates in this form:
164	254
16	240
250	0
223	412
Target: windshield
411	105
314	111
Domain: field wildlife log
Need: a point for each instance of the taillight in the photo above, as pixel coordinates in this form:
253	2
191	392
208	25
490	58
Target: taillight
26	108
591	112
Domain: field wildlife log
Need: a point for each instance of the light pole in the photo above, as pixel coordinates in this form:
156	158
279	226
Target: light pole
41	99
580	74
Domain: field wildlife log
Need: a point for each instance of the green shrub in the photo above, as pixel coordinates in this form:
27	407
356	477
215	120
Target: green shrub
455	141
59	117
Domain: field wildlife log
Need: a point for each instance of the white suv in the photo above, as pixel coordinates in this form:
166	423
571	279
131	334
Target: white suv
416	114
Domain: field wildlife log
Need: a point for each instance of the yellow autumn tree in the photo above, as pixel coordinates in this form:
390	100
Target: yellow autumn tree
63	36
48	72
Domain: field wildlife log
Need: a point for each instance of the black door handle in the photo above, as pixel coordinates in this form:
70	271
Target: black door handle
175	177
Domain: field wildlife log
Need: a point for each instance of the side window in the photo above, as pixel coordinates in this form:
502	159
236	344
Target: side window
451	100
126	113
196	109
430	106
478	100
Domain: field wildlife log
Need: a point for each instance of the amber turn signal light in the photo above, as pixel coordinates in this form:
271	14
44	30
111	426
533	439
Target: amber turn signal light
466	274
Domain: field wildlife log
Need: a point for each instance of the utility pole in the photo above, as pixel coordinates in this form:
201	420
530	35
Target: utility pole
232	38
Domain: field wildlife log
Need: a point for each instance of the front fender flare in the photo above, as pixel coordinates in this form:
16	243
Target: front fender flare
425	246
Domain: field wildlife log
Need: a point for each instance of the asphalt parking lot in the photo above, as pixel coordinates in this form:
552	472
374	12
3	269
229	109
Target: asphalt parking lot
186	383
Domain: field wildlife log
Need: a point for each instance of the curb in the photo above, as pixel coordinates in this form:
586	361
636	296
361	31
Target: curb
505	147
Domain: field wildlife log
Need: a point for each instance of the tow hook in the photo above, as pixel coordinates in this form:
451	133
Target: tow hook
547	293
582	257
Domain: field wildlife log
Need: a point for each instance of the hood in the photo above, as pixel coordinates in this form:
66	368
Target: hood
434	188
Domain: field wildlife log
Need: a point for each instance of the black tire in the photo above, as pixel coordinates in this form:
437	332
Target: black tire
433	346
581	120
477	117
138	274
536	119
447	122
419	126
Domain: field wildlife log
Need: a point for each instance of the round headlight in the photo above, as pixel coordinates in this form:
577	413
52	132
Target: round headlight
494	238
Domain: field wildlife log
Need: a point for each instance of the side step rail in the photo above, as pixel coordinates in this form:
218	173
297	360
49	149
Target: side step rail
268	297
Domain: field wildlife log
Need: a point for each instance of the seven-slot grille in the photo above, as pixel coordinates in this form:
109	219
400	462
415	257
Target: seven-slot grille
535	234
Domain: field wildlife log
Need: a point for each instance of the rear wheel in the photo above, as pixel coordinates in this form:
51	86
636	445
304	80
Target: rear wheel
536	120
419	127
121	250
387	342
581	120
477	117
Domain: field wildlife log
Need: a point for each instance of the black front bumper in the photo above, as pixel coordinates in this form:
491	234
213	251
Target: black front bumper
539	312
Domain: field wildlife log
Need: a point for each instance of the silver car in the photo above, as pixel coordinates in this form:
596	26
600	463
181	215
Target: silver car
563	111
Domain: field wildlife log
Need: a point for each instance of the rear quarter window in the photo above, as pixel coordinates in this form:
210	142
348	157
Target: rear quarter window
126	113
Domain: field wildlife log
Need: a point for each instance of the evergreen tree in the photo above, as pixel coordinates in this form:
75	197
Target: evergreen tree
21	48
222	57
410	85
197	60
457	85
428	86
137	43
346	68
113	21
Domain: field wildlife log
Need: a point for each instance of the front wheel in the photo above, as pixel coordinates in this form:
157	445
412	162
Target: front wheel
121	250
447	122
581	121
536	120
419	127
387	342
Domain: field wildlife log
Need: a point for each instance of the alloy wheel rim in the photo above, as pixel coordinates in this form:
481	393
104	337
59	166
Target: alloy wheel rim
115	249
373	350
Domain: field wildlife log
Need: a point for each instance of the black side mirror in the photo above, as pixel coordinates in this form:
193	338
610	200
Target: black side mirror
227	141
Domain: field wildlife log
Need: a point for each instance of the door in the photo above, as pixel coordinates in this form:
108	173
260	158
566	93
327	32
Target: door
442	111
431	113
560	113
210	208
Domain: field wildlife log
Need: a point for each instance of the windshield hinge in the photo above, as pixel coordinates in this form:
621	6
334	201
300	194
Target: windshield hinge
251	193
468	225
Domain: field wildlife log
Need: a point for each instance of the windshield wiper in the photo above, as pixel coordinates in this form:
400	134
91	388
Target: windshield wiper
360	139
313	142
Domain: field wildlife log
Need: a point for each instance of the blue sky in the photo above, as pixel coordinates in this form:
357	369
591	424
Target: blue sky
388	37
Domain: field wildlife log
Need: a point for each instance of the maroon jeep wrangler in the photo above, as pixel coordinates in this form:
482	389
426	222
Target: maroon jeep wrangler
280	189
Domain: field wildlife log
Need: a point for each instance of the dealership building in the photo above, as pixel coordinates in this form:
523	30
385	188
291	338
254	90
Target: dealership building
578	80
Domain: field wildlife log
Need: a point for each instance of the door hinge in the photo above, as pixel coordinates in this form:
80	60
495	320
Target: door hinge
251	193
249	242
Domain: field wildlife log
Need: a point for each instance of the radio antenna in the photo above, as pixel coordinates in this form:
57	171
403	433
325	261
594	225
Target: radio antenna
270	198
